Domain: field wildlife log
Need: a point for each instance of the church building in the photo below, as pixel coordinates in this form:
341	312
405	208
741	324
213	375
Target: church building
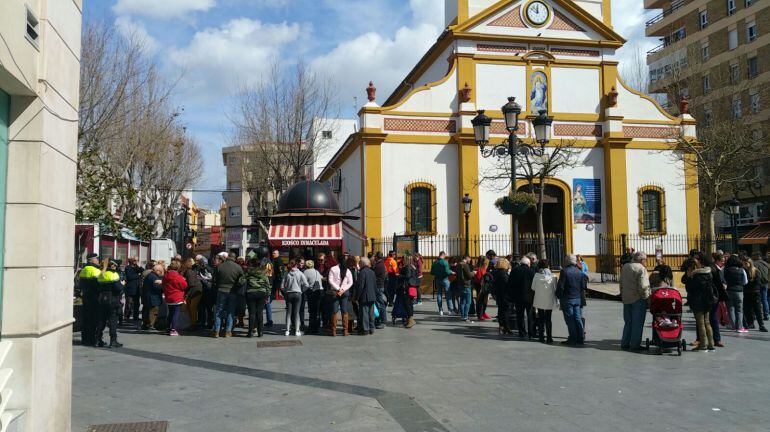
414	157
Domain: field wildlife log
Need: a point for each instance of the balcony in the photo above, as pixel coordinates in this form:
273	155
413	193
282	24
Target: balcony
666	12
673	38
673	16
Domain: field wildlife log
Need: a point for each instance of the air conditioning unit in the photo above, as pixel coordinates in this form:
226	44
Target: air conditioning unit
337	182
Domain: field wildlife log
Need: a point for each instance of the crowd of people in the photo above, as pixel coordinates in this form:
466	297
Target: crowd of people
355	294
724	292
320	295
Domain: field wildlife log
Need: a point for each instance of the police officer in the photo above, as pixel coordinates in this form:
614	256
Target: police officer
110	288
88	291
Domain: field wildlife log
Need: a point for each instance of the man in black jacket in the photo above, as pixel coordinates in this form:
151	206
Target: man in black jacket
572	283
520	285
381	274
366	295
133	293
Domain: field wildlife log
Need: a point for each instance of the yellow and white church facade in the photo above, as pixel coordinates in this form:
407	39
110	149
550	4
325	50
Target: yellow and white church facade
417	147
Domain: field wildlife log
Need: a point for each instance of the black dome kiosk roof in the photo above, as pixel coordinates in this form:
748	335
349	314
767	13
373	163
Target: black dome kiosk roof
308	197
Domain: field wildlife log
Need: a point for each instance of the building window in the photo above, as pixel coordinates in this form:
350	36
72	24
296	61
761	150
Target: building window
730	7
707	116
326	134
33	28
747	3
754	102
737	108
705	52
732	39
735	74
706	84
235	212
753	67
652	210
704	18
420	208
751	32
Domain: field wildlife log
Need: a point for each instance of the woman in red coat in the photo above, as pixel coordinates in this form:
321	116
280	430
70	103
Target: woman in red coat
174	288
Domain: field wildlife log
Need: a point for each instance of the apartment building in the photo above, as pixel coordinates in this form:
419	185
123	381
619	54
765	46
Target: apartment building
39	86
241	235
717	54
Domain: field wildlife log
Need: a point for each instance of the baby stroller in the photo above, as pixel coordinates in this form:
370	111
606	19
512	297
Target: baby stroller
666	310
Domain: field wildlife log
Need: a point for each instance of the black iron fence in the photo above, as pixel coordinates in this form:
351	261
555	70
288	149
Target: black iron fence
455	245
674	248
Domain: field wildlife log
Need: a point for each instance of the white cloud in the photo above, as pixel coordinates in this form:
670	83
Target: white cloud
383	59
161	9
219	59
131	29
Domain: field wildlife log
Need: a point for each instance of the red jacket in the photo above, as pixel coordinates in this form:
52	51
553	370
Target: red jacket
174	287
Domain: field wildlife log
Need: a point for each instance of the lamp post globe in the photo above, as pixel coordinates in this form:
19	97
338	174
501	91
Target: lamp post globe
511	112
467	203
542	125
481	126
735	207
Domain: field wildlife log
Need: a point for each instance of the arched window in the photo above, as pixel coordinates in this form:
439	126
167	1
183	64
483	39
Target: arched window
652	210
420	208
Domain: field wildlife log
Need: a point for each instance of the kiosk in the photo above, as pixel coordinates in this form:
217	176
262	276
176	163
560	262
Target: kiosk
308	222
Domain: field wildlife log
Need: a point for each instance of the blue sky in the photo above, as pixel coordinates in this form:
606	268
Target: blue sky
217	46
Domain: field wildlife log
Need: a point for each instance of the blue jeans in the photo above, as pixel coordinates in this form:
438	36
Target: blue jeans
714	319
573	317
633	317
442	288
465	302
225	310
763	297
269	309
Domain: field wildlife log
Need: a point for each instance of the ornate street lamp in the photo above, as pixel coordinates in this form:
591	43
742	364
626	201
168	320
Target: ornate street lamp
481	125
513	146
511	112
735	211
542	125
467	203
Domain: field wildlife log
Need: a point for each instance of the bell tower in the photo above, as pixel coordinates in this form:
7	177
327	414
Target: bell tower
459	11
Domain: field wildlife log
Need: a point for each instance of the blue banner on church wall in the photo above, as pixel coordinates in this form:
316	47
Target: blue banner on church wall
587	201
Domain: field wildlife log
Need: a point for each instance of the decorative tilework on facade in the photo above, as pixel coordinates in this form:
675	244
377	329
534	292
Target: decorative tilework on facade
501	48
575	52
561	22
650	132
511	18
577	130
419	125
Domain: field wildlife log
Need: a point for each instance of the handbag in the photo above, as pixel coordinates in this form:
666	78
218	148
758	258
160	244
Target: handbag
376	311
722	315
412	291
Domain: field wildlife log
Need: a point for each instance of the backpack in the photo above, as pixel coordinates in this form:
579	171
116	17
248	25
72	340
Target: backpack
257	282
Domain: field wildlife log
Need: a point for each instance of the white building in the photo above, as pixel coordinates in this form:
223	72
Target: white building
558	55
331	135
39	85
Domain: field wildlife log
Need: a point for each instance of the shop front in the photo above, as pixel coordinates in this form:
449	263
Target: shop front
308	222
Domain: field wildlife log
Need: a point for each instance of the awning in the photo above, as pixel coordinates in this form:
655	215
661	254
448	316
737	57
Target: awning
305	231
758	236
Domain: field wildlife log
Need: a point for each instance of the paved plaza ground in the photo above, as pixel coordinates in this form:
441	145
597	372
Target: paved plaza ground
442	375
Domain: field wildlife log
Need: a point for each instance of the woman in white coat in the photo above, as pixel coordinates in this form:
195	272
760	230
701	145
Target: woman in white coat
544	285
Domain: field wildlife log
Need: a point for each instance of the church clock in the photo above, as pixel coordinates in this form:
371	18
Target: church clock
537	13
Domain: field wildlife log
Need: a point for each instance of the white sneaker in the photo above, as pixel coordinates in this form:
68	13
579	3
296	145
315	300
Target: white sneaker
440	313
298	333
288	333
